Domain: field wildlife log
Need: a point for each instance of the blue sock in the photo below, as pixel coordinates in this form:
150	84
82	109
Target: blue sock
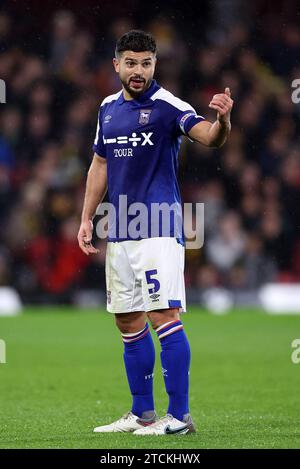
139	358
175	360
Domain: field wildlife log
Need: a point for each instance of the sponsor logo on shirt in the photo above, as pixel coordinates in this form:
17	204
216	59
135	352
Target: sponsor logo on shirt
145	139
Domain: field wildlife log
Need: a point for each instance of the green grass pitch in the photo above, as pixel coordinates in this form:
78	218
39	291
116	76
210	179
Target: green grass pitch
64	375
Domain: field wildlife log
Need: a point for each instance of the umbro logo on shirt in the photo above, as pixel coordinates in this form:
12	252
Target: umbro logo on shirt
107	119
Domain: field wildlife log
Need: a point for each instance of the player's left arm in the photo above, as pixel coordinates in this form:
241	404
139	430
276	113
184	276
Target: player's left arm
215	134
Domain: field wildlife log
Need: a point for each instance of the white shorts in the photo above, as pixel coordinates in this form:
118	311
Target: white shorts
145	275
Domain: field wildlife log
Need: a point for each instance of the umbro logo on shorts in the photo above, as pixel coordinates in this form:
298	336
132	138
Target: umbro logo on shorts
145	139
154	296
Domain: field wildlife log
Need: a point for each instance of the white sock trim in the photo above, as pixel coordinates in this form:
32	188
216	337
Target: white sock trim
134	333
165	325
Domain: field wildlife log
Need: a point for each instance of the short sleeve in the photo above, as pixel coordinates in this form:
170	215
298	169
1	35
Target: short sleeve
186	120
99	146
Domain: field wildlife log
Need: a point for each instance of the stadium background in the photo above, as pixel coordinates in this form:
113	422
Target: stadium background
63	373
56	62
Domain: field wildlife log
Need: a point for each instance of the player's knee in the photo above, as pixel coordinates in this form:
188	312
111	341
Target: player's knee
158	318
130	322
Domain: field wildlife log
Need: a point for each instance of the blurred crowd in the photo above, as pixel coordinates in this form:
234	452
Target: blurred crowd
250	188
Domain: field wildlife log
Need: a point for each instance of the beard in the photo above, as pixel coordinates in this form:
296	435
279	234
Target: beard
138	92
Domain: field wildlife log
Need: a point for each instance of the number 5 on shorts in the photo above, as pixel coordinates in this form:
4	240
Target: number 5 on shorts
151	280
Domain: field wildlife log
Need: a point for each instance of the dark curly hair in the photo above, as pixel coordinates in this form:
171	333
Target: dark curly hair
136	41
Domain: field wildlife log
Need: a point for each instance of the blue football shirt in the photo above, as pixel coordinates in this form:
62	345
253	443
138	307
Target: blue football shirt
140	139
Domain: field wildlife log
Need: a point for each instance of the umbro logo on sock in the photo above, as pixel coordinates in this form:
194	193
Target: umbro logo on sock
149	376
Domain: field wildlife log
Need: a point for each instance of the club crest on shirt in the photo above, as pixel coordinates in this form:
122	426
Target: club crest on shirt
154	296
144	116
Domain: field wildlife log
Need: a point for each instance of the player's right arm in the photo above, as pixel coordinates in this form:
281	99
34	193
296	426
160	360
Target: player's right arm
96	187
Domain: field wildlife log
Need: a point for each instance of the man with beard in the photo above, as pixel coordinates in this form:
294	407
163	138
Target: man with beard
136	157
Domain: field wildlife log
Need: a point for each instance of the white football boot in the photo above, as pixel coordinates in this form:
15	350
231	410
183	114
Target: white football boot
128	423
168	425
